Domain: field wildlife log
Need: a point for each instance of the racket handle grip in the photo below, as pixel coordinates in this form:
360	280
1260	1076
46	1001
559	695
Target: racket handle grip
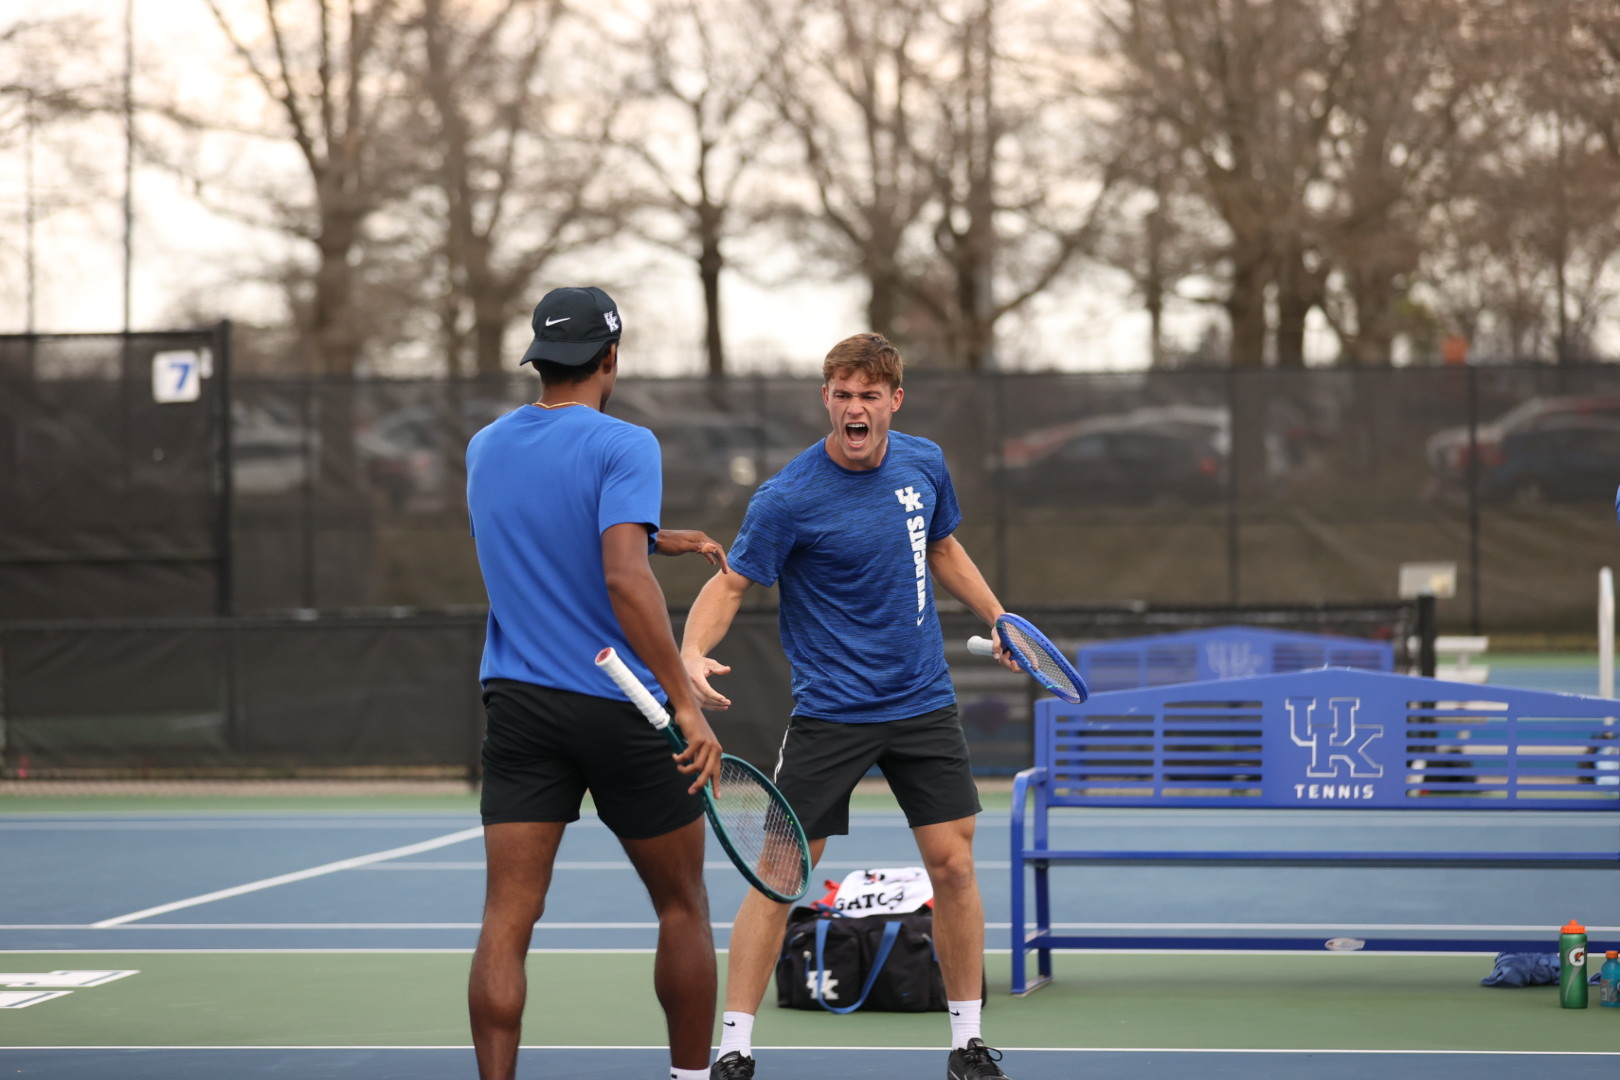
656	714
981	646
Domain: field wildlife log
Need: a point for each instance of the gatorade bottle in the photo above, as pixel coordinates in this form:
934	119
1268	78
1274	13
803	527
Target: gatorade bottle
1609	980
1572	966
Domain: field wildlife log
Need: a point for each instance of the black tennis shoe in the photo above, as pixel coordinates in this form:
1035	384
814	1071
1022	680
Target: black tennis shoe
735	1066
974	1062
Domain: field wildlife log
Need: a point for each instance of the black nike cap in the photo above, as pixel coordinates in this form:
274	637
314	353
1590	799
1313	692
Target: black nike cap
571	325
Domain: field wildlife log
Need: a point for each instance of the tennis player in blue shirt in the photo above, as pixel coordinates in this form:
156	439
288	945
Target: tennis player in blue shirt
564	503
850	532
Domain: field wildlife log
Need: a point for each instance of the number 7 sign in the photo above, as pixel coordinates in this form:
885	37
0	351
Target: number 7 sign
177	376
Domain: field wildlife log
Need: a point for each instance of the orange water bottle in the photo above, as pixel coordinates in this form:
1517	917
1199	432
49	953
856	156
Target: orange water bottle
1572	966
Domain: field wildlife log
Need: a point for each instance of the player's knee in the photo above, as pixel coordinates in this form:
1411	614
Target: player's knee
952	873
688	901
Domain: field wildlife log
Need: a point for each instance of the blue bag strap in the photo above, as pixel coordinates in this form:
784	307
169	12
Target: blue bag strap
891	930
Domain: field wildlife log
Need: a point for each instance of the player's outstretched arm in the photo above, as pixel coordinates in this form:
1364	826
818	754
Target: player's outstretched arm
689	541
959	575
639	605
706	625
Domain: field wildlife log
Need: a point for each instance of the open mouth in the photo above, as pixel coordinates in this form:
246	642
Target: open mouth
856	432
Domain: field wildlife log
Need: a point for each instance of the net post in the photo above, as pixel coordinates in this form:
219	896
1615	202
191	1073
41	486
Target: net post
1426	635
1606	633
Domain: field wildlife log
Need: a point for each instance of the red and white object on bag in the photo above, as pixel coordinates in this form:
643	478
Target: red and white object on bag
893	890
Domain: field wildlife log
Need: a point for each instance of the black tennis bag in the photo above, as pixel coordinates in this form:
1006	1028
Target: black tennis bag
868	943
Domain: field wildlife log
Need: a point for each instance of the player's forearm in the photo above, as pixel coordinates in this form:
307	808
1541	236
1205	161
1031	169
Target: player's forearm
639	605
712	612
957	573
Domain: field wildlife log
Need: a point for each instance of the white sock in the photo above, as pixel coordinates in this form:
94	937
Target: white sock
688	1074
737	1033
964	1022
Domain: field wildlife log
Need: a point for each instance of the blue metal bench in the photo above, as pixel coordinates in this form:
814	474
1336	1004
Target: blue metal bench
1318	741
1222	652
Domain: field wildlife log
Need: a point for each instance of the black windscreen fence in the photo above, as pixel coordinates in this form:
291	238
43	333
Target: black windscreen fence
365	696
1256	486
237	697
208	570
112	475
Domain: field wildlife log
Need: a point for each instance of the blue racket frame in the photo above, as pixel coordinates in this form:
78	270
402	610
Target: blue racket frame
1027	628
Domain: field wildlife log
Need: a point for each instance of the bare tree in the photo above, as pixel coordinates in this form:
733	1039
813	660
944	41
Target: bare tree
512	169
1019	191
331	70
702	132
1240	90
52	80
848	89
944	145
50	71
1398	141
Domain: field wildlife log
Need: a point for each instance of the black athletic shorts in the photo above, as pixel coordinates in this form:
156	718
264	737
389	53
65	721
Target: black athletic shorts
924	758
544	748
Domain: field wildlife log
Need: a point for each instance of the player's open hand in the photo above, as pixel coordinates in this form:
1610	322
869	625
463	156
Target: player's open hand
692	541
699	669
702	754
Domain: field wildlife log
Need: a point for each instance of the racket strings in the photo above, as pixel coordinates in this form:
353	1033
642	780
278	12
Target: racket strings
1052	670
762	832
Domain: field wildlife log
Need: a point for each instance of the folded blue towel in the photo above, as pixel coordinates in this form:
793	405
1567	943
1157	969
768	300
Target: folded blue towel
1523	969
1528	969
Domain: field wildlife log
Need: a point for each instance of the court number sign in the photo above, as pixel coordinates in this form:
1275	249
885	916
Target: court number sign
20	989
177	375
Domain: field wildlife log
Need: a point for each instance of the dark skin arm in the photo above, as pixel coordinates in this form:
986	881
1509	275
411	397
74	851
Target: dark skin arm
638	602
690	541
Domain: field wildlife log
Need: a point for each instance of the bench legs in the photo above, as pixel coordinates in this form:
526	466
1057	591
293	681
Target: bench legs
1021	945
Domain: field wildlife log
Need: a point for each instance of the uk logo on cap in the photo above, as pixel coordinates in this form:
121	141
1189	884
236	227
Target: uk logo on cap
571	325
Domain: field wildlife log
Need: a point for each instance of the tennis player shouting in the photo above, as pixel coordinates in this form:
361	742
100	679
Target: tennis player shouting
849	531
563	501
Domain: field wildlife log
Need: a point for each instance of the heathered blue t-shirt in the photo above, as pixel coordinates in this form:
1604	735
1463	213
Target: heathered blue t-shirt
542	487
848	551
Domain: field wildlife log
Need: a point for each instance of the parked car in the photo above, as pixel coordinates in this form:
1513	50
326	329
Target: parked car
1543	448
713	461
270	454
1121	460
414	456
1565	459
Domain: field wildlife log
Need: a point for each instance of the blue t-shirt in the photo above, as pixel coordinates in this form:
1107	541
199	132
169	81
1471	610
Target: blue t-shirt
849	551
542	487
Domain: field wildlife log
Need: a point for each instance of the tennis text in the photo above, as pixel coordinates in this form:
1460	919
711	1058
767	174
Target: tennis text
1333	792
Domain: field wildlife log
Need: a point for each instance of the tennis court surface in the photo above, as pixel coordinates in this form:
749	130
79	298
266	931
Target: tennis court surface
218	937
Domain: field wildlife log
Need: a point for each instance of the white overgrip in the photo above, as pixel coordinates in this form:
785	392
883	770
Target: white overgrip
609	661
981	646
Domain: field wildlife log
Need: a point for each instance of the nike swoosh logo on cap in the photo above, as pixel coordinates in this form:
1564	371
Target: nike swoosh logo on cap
553	322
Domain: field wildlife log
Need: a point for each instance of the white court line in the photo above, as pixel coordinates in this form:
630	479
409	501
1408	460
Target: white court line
195	825
547	924
561	864
464	951
931	1048
300	875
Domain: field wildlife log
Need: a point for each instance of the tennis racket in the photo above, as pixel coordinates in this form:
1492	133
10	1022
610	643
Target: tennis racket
751	819
1036	655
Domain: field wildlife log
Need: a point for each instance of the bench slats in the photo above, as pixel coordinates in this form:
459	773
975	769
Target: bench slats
1332	739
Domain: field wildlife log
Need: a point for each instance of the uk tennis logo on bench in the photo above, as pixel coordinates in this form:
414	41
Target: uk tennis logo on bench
1335	741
